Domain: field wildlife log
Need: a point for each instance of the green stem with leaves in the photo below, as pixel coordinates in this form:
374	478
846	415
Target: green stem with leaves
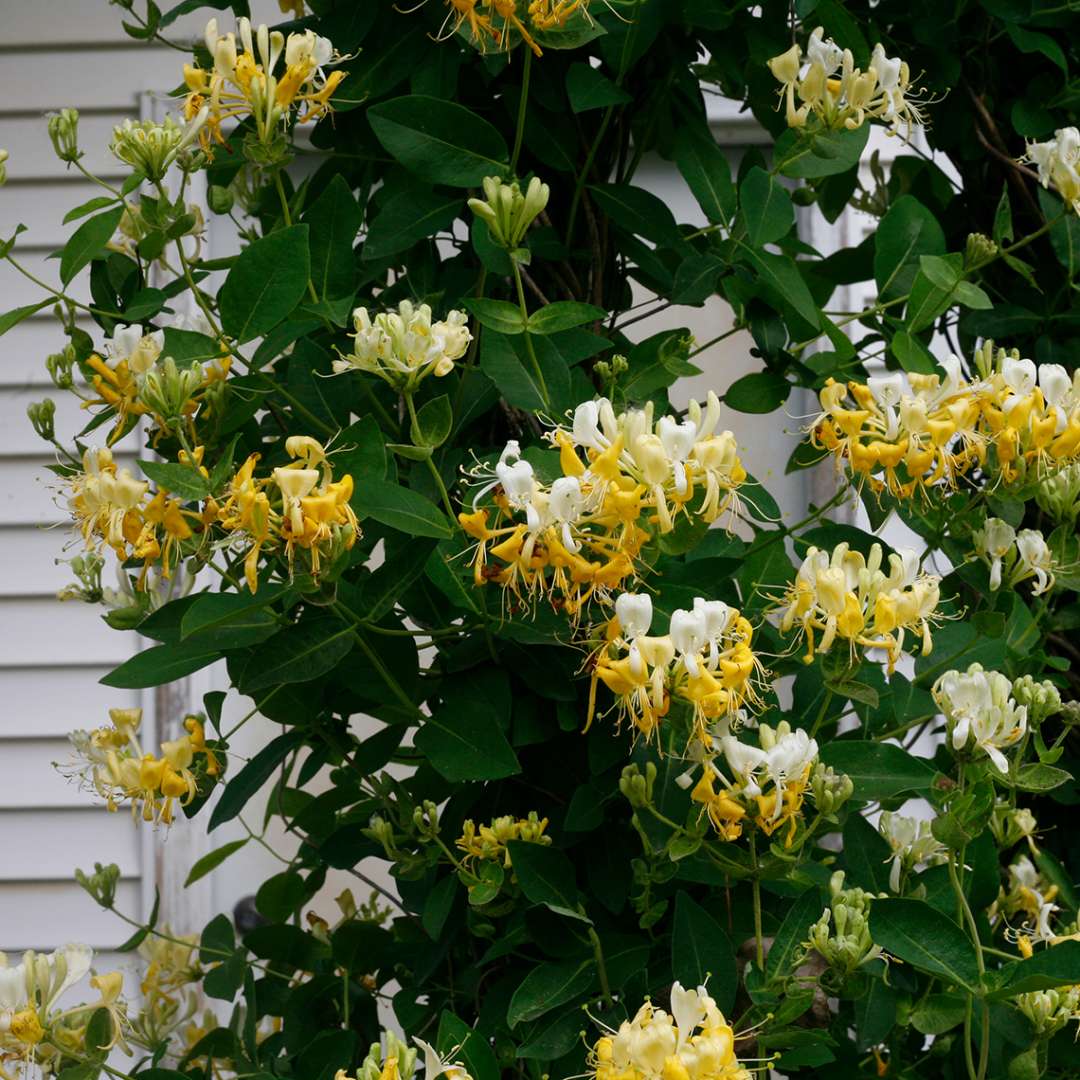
528	337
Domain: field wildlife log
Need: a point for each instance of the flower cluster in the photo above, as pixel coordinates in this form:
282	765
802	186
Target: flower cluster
979	711
912	844
693	1042
111	762
842	935
830	86
507	212
1031	897
133	380
1050	1010
151	147
299	506
841	594
488	842
171	997
399	1061
405	346
1057	160
906	433
32	1027
704	659
583	532
248	83
498	22
1014	556
767	785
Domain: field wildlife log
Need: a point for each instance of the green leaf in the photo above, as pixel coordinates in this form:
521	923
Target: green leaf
701	950
299	654
441	141
781	275
587	88
176	479
1058	965
333	221
268	280
434	418
766	206
514	376
638	211
160	664
88	240
921	936
562	315
695	279
972	296
16	315
1035	776
547	986
406	218
546	877
553	1039
907	231
88	207
813	155
401	509
213	859
793	931
911	353
878	770
497	315
938	1013
279	896
463	737
758	392
705	168
469	1046
230	620
240	789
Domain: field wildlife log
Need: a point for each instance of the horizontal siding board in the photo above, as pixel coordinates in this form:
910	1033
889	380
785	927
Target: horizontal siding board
20	439
18	290
50	701
42	915
41	206
45	634
24	349
32	156
43	843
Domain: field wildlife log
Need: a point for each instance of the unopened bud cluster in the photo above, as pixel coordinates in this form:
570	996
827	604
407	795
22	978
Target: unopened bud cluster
64	133
636	788
507	212
1040	698
842	934
1050	1010
101	884
1059	494
42	415
831	789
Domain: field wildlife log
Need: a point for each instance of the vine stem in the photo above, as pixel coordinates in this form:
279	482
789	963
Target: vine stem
759	939
528	337
984	1041
432	468
522	110
601	968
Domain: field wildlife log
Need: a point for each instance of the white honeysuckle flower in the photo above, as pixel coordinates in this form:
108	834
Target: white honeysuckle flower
1056	160
565	504
979	709
1020	375
436	1065
634	612
678	441
994	541
744	761
140	350
689	635
1035	560
716	615
824	51
515	475
912	843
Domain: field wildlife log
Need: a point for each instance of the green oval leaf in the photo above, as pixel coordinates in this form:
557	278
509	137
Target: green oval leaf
547	986
562	315
298	654
88	240
878	770
268	280
921	936
766	206
441	141
401	509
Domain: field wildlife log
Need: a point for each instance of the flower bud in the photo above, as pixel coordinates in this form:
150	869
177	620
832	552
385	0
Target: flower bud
638	789
831	789
3	167
426	819
507	212
64	132
60	366
1059	494
979	249
101	884
167	389
1041	698
42	414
